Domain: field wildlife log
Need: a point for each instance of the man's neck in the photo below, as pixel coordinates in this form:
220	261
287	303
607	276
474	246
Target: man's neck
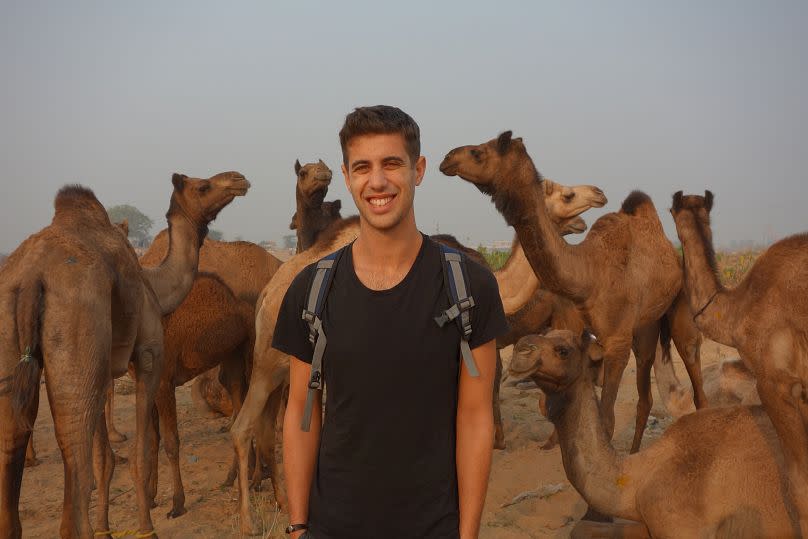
382	258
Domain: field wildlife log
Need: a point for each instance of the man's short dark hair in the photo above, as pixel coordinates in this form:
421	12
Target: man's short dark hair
381	120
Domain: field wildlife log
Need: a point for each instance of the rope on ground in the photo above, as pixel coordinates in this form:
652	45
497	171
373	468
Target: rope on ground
125	533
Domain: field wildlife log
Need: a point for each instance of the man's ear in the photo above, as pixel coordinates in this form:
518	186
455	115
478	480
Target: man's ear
590	345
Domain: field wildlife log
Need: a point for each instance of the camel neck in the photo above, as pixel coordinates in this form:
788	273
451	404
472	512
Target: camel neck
308	217
516	280
560	267
592	465
173	278
710	302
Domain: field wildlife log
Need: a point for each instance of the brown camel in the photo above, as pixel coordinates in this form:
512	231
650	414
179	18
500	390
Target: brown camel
623	277
312	184
76	302
718	472
765	318
211	327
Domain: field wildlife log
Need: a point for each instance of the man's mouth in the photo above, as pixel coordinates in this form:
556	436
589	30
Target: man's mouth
380	202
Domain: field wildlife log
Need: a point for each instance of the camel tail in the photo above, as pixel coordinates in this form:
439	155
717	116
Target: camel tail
25	380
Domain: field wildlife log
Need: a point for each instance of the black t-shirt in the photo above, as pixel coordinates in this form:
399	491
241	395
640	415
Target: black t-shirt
386	465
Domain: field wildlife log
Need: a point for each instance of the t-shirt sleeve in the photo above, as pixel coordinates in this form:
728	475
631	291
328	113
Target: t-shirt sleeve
291	334
487	316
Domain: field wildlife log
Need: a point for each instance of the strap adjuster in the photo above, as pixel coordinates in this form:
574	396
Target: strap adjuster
315	382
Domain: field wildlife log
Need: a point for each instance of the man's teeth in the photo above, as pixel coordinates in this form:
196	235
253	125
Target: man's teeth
380	201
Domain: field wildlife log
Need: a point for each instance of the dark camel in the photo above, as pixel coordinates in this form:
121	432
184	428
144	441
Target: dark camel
623	277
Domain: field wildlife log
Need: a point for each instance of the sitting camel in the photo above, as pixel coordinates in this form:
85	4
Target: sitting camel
88	284
765	318
718	472
623	277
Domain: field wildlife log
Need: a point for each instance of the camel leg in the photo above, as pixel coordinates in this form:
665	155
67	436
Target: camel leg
645	346
75	418
142	461
265	446
690	352
262	384
784	398
30	453
114	435
499	433
167	407
13	441
103	467
232	377
154	449
614	363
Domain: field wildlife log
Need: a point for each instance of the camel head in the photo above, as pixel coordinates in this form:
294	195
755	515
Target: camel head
490	165
574	225
313	180
697	206
201	200
564	202
556	360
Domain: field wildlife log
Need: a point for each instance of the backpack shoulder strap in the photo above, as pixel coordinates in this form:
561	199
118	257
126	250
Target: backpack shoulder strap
456	282
312	313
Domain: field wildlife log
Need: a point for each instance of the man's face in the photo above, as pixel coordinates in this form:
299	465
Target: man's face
382	179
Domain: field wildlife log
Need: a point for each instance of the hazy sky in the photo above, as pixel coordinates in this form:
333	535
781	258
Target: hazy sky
623	95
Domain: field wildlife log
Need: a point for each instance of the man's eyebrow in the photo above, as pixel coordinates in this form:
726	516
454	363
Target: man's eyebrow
359	163
393	159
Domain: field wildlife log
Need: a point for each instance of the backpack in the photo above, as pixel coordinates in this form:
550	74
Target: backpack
455	280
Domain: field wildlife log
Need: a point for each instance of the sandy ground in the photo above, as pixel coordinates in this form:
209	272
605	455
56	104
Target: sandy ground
212	512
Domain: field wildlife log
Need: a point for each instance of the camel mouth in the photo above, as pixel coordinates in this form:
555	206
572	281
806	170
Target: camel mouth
324	178
448	168
546	382
239	187
577	226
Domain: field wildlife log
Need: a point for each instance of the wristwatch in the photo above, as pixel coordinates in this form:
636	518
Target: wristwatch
291	528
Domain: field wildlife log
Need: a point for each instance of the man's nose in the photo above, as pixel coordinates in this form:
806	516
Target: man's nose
377	181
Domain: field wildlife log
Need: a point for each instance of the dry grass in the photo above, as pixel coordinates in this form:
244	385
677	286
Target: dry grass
732	266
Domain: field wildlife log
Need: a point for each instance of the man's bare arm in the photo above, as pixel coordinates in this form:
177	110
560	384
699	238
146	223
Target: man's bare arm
475	438
299	447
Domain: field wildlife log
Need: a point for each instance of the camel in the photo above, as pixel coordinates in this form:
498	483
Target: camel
75	301
718	472
271	367
765	318
623	277
311	187
211	327
244	267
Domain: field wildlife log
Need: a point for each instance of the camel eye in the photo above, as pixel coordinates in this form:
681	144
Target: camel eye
204	188
562	352
476	154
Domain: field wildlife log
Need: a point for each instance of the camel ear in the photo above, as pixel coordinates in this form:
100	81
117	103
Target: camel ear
179	181
549	186
297	167
708	200
293	224
503	141
677	201
321	162
591	347
337	205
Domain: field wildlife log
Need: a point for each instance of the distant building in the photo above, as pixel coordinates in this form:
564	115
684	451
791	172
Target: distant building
290	241
498	246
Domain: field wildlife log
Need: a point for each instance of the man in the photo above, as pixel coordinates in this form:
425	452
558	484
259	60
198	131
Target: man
405	448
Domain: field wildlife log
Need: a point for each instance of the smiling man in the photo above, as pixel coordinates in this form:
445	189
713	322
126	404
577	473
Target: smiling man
404	450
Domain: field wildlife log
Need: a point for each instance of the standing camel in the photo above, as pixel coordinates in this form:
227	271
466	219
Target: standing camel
74	300
311	187
718	472
623	277
765	318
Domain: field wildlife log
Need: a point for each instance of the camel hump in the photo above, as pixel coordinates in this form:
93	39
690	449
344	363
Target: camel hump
639	204
72	199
